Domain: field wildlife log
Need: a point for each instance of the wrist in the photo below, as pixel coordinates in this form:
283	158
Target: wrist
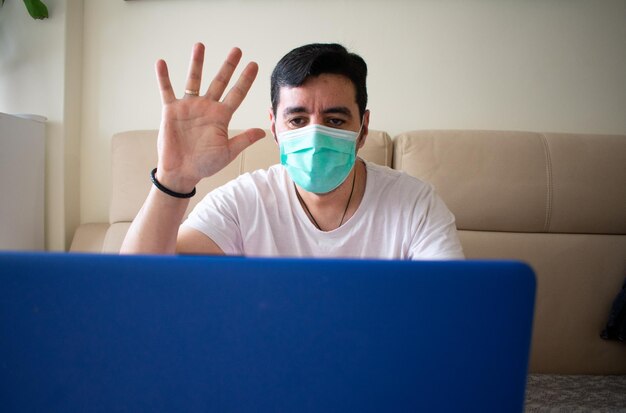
171	185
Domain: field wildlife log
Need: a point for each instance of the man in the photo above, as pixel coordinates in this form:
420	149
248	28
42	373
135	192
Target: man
321	201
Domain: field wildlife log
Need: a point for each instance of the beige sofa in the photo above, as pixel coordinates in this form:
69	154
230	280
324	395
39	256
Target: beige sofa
555	201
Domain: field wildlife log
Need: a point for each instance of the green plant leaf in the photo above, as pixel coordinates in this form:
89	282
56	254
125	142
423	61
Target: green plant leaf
36	9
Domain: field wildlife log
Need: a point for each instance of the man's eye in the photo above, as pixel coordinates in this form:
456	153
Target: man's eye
297	122
335	122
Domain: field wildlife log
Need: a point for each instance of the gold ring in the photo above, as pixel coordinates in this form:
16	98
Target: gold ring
191	92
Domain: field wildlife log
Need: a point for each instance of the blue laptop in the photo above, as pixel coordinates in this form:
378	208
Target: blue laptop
98	333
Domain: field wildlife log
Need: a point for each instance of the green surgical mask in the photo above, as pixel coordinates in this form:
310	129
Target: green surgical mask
318	158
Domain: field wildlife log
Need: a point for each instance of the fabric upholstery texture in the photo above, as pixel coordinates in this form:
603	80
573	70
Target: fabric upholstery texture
89	237
522	181
490	181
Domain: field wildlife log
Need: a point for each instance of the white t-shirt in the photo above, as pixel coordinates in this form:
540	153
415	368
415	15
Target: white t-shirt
258	214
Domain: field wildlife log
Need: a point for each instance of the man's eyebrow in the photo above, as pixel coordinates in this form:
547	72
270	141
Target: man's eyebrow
338	109
294	109
344	110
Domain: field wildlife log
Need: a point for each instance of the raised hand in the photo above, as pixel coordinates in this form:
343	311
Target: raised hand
193	138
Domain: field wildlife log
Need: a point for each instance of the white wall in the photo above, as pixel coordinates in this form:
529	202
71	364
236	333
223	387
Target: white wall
40	73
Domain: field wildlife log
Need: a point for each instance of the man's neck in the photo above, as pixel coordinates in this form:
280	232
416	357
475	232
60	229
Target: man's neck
328	210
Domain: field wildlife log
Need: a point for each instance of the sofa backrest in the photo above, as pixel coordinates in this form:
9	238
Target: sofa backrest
556	201
522	181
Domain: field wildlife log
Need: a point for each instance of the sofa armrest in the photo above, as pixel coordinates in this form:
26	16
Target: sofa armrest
89	238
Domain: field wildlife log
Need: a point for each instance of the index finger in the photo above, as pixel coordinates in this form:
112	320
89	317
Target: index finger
165	86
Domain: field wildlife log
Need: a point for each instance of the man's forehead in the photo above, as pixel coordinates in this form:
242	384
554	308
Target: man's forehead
326	92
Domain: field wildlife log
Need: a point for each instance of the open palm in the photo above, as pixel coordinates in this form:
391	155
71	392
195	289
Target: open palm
193	138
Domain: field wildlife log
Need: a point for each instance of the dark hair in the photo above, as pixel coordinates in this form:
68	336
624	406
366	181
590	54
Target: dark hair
316	59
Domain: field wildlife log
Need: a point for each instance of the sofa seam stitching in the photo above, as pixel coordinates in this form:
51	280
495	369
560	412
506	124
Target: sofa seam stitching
550	187
399	158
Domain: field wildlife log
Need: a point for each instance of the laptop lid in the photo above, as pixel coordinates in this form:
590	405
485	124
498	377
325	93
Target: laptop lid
221	334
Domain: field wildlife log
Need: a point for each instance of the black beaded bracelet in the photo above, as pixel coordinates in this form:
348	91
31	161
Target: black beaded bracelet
169	191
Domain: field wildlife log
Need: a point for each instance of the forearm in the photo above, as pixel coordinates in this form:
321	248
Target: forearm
155	229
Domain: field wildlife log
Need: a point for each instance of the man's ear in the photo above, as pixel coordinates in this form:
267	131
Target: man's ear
364	130
273	125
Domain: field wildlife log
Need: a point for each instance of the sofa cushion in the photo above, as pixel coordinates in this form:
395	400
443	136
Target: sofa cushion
89	237
578	276
114	237
522	181
588	183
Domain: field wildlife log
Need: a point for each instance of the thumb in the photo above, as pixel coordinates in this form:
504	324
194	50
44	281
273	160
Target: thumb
238	143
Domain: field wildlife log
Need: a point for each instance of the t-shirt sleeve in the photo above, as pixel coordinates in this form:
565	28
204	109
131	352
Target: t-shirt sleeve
435	236
216	216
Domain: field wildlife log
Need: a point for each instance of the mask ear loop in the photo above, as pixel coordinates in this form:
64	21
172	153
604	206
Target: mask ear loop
358	136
